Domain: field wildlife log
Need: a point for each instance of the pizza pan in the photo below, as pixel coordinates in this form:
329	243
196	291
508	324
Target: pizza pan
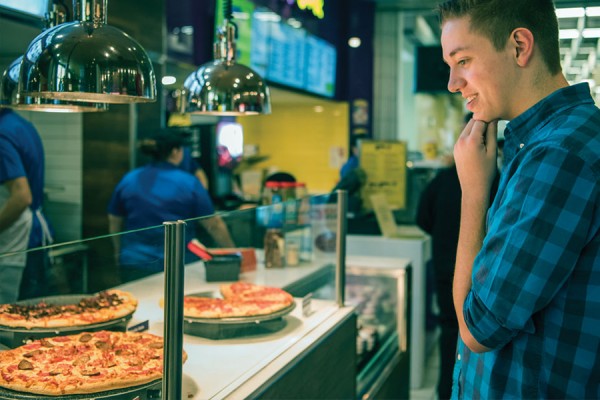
226	328
147	391
15	337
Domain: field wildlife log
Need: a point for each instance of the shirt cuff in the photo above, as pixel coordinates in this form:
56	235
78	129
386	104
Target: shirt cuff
483	325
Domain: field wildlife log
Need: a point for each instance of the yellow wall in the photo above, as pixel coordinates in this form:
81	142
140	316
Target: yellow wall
299	139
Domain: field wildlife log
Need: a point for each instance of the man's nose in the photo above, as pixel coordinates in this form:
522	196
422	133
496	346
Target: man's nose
455	82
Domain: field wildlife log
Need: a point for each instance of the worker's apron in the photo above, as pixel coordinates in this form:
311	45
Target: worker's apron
13	240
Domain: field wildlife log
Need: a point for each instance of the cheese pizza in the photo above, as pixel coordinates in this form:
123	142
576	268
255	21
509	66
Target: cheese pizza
240	299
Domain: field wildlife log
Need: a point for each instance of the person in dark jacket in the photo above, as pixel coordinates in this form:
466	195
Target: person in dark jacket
438	214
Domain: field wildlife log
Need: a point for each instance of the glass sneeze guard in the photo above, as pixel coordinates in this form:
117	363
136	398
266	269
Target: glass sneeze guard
308	229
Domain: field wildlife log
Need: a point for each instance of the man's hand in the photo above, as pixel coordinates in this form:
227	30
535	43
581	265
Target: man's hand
475	156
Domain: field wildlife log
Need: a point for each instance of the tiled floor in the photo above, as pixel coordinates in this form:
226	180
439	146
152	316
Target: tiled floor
428	391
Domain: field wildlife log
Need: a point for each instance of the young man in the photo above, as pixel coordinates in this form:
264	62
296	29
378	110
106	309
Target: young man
527	276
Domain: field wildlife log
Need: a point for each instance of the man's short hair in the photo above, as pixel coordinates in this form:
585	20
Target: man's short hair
496	19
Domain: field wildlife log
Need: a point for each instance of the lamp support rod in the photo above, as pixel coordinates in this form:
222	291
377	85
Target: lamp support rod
90	11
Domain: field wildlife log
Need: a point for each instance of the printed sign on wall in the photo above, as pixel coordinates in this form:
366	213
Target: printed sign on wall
384	162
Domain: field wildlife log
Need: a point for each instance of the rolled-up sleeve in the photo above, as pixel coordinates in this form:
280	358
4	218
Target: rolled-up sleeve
537	229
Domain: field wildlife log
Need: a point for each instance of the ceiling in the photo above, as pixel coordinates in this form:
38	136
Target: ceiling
579	56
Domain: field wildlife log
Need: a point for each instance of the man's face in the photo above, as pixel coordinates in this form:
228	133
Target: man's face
478	71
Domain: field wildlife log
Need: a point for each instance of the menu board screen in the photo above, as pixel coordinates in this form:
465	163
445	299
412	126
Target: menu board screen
284	54
320	67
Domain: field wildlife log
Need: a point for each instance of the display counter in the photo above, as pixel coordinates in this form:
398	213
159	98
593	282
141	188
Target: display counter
310	353
418	251
245	366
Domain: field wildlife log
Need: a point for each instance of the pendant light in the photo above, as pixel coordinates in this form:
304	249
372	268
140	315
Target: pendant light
10	96
222	86
87	60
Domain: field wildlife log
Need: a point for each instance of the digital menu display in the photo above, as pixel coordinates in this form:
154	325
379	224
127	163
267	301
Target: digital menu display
320	66
284	54
287	55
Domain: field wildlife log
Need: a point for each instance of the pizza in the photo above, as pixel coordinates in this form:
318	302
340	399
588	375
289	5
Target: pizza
240	299
105	306
87	362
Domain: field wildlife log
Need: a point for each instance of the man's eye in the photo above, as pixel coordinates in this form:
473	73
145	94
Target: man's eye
462	62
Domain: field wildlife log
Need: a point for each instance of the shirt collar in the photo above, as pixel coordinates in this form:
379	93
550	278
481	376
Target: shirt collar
521	130
164	165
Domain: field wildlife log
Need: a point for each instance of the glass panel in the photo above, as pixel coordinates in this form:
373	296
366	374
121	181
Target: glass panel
290	244
280	246
221	355
85	266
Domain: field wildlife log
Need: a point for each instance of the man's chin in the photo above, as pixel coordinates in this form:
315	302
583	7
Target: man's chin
482	117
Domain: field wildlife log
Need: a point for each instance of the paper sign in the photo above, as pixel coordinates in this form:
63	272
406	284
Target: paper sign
384	163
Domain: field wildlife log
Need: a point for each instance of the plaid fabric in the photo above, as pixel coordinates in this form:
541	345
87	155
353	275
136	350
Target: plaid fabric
535	298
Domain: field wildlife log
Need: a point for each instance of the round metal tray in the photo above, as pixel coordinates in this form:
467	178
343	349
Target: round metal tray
60	300
254	319
70	329
235	327
150	390
16	336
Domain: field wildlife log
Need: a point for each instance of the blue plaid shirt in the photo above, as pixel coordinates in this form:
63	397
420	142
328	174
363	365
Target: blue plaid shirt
535	298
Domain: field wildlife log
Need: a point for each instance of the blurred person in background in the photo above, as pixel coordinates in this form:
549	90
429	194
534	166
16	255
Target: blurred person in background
438	214
22	224
155	193
353	161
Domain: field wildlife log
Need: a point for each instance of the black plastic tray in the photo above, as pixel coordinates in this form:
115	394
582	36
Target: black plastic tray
15	337
147	391
226	328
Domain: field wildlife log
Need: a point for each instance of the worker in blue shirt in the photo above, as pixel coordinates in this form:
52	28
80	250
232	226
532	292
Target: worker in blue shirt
155	193
22	224
353	158
526	284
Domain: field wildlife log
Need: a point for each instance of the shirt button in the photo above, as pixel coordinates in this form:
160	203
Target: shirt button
522	145
458	357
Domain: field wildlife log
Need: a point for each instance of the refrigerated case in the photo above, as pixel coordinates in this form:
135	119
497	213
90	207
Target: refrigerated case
418	250
379	289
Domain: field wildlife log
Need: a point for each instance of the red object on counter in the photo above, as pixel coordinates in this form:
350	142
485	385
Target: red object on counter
199	249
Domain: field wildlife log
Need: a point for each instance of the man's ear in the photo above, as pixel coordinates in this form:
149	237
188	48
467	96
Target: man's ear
521	39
